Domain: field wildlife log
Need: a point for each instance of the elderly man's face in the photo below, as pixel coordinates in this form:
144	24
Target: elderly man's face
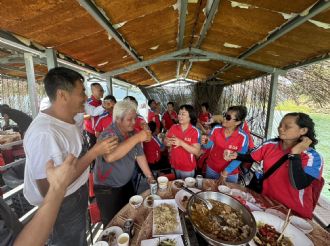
127	123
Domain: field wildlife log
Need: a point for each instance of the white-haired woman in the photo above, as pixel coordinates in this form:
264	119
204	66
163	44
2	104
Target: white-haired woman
113	173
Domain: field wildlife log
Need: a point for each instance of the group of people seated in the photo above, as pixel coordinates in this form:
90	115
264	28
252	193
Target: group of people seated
120	142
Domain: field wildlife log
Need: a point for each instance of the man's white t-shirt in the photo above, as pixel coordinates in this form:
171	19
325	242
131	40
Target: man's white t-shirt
49	138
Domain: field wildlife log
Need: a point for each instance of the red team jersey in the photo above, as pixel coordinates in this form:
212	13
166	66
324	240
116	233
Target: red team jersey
152	150
168	120
154	117
181	159
247	130
237	142
103	121
278	185
90	123
139	122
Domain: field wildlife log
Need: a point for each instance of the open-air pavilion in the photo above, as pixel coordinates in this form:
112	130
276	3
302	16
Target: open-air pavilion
152	43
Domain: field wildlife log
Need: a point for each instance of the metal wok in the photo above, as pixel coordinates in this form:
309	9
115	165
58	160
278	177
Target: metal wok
233	203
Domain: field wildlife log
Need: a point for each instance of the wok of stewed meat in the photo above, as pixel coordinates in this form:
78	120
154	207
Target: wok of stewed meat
221	222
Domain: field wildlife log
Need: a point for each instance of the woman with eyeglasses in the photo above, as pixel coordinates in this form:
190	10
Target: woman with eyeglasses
297	182
183	142
224	140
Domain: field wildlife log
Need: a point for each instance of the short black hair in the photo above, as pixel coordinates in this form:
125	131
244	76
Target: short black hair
240	110
206	105
110	97
60	78
3	107
132	99
170	103
152	126
95	84
151	101
192	113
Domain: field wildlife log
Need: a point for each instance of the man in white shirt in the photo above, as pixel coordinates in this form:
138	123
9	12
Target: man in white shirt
53	135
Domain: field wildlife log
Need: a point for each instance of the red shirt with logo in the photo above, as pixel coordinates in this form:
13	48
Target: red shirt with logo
103	121
139	122
181	159
278	185
237	142
247	130
167	117
152	116
152	150
90	123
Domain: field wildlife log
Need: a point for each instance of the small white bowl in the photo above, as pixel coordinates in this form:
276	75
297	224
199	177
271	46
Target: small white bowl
224	189
190	182
101	243
136	201
301	224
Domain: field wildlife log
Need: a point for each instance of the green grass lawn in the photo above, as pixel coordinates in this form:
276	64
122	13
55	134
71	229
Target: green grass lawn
322	125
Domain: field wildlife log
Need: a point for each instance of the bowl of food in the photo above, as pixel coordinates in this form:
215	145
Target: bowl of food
190	182
149	200
227	223
136	201
178	184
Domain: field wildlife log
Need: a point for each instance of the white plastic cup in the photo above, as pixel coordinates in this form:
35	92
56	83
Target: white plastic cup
123	239
162	182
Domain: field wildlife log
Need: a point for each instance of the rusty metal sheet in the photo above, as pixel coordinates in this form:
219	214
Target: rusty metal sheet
295	46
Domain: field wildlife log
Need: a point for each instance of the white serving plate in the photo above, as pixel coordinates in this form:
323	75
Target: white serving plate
296	236
156	241
178	229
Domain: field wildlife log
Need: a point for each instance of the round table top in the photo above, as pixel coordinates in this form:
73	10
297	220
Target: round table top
142	216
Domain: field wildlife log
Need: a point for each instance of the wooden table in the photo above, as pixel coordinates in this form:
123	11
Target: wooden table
142	216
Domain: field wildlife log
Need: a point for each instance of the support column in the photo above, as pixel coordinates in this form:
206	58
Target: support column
110	86
28	59
271	105
51	59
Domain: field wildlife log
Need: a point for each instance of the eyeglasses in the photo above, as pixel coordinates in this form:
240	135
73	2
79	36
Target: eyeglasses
228	117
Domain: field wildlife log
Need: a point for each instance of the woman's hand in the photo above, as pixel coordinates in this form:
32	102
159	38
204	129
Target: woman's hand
229	155
301	146
204	139
175	141
221	180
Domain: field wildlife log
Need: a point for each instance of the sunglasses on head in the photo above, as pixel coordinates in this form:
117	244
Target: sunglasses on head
228	117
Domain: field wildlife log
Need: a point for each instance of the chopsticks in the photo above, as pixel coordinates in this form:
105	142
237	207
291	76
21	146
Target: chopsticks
287	221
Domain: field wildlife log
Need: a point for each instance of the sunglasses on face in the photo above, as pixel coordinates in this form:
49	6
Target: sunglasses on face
228	117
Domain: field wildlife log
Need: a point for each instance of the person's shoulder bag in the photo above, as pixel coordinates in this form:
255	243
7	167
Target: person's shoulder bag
256	182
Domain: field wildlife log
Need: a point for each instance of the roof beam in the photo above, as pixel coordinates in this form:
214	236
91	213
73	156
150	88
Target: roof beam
309	61
130	68
206	25
182	26
90	7
194	55
238	62
276	34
